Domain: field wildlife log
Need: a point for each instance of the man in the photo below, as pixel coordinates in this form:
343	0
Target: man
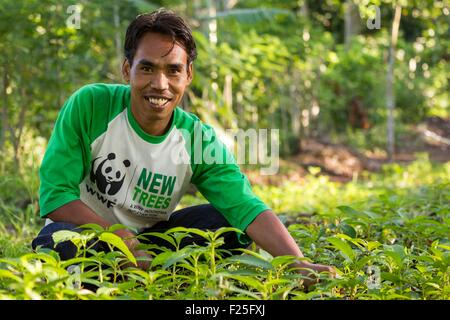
126	154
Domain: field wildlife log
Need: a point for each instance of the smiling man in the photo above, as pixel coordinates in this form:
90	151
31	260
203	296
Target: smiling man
159	73
125	154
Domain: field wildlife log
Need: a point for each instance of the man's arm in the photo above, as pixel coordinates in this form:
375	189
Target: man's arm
78	213
271	235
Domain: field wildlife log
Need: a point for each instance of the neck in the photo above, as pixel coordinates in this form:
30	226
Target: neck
153	126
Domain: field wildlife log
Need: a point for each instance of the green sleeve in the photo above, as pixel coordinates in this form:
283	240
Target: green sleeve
224	185
68	154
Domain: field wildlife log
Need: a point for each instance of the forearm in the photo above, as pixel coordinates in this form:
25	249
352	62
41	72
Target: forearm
78	213
271	235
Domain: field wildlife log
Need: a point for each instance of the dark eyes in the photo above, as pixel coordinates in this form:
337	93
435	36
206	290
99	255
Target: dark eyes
108	170
171	71
174	70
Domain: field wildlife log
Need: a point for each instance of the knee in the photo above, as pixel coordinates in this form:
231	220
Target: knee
44	239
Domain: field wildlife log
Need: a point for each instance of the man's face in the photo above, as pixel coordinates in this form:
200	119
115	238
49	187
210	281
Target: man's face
158	78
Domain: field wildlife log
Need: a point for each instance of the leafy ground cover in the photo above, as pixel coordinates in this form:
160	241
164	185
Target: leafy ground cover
386	233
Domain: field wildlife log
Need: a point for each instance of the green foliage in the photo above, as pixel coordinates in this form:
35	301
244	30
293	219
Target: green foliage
320	195
289	69
352	72
387	234
288	66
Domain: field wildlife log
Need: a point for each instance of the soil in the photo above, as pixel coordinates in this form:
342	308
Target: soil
341	163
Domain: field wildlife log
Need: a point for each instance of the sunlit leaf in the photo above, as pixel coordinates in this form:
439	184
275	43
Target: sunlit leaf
251	261
117	242
343	247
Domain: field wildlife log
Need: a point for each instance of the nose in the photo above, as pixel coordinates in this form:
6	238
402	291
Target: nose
159	81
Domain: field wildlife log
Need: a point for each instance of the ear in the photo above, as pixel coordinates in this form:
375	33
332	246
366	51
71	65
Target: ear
126	70
190	72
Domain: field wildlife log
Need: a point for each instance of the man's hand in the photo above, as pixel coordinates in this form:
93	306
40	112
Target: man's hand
145	263
131	242
271	235
78	213
305	268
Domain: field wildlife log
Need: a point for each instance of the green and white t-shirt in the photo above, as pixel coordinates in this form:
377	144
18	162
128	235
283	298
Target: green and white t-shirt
99	154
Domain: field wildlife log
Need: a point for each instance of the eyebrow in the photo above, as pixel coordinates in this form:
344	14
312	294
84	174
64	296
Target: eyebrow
148	63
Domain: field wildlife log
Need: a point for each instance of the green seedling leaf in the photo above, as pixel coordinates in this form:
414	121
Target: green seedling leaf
350	211
371	214
117	242
161	258
437	253
10	275
396	252
245	272
434	285
390	277
343	247
301	234
251	261
127	285
163	236
243	294
280	260
78	260
364	262
348	230
65	235
116	227
50	260
397	296
249	281
373	245
343	236
223	230
169	258
424	259
105	291
92	226
201	233
176	256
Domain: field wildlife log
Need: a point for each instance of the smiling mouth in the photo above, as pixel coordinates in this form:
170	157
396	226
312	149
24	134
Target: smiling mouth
158	102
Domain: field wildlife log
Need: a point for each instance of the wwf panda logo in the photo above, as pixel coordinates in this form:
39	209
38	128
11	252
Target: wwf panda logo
108	174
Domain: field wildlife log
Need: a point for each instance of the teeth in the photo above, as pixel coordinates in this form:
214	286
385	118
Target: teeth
157	101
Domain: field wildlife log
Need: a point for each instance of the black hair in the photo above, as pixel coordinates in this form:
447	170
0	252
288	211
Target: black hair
161	21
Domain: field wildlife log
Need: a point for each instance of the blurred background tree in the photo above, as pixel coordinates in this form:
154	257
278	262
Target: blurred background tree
313	69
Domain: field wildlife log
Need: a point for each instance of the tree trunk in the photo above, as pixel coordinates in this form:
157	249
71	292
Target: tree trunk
228	100
17	137
304	10
5	124
228	4
352	21
212	23
117	39
390	96
284	123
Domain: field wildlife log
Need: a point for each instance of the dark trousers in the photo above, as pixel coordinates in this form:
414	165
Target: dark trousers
204	217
